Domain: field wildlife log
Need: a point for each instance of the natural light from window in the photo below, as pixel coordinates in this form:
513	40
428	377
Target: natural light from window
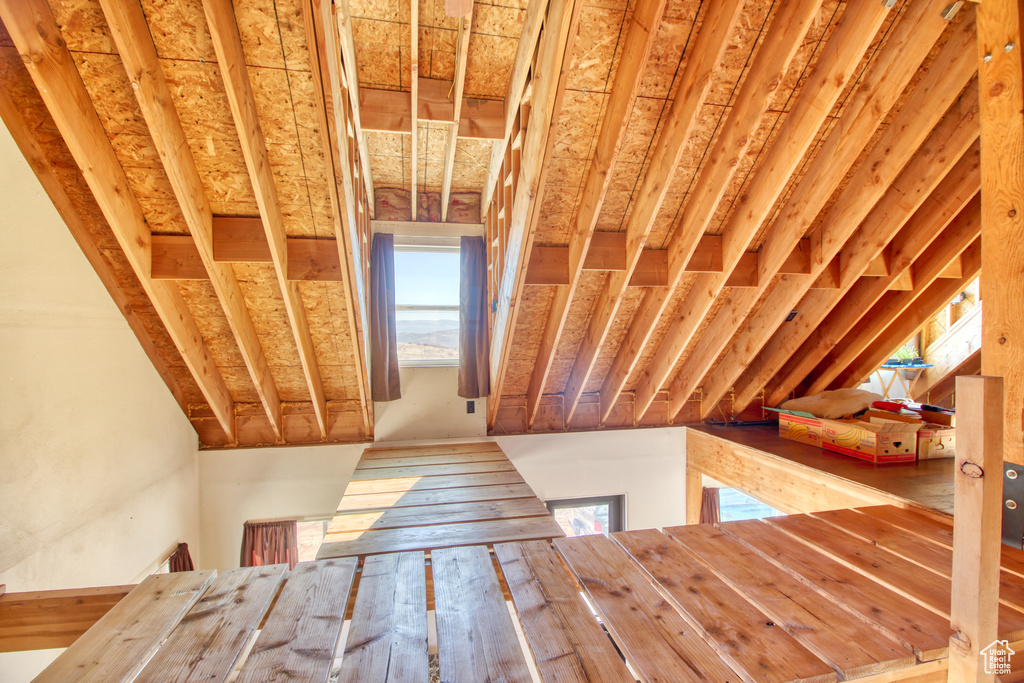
427	305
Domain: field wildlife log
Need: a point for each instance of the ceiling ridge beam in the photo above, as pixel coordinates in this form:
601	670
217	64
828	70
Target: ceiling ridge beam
919	306
858	294
461	55
677	129
327	69
130	31
826	82
38	39
928	267
643	30
920	154
911	126
548	84
227	43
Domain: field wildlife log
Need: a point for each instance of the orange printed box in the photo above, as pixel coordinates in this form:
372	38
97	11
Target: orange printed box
878	443
799	428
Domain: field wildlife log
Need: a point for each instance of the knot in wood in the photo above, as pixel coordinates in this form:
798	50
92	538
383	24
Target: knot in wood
972	470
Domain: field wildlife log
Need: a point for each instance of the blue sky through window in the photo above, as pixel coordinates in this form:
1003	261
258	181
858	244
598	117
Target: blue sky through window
424	278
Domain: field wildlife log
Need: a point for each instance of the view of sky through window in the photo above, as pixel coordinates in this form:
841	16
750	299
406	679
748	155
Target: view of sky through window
427	302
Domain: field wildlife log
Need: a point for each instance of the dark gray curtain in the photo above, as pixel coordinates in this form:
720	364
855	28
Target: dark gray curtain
710	512
385	384
474	345
266	543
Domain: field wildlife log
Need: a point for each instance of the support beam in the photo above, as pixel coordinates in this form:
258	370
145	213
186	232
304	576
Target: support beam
1002	213
131	34
175	257
643	28
910	40
461	54
43	50
390	110
918	118
41	620
414	103
342	27
977	543
227	43
694	494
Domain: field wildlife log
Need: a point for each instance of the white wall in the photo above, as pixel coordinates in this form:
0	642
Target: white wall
430	408
266	483
99	463
648	465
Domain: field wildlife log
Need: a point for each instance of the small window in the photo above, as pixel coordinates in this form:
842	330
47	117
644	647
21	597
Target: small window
310	535
736	505
427	305
587	516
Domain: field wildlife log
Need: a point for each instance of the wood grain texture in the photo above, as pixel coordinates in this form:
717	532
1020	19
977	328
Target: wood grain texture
414	483
121	643
300	636
387	641
443	513
476	640
465	494
751	643
211	637
450	459
820	624
40	620
431	470
656	641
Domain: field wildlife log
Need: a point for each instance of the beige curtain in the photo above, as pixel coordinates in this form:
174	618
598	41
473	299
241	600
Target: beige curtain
474	345
710	512
266	543
385	384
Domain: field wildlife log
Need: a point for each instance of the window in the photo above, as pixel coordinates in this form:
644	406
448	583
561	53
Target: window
736	505
587	516
427	305
310	534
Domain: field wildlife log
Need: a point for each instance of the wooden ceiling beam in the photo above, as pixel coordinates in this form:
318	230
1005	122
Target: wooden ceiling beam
175	257
130	31
227	43
677	129
643	29
536	12
342	27
928	103
461	55
390	110
43	50
946	201
330	98
414	104
826	82
918	308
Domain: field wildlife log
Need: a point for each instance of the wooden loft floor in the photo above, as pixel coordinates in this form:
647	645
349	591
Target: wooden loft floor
843	595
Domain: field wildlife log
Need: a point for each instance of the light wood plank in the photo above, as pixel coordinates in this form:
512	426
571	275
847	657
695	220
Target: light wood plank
817	622
655	639
387	642
414	103
121	643
128	27
977	525
450	459
459	84
439	449
43	50
301	634
389	110
914	626
445	513
566	641
370	473
210	638
343	29
227	43
408	484
751	643
432	497
40	620
476	640
438	536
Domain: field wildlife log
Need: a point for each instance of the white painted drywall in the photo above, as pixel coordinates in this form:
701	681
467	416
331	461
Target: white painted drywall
430	408
266	483
648	465
99	462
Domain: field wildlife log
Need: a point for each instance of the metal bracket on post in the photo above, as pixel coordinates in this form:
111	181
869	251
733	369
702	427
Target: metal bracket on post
1013	505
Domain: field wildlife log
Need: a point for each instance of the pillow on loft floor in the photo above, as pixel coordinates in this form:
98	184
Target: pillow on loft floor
833	405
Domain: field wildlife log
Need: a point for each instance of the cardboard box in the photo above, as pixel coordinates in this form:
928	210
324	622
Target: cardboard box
884	441
799	428
933	440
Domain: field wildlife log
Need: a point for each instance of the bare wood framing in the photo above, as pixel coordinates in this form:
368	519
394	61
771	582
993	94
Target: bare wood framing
343	26
130	31
37	37
461	56
389	110
414	102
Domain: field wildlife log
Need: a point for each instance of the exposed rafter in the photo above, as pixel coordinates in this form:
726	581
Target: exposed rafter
461	55
35	33
227	42
346	45
414	100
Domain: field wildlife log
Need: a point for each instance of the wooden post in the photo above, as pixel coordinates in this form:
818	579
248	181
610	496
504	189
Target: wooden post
978	479
694	492
1002	212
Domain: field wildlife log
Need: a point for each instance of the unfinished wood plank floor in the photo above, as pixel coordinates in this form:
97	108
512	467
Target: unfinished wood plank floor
403	499
804	598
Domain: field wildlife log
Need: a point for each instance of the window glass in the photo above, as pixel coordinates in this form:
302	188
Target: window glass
587	516
310	536
427	306
736	505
